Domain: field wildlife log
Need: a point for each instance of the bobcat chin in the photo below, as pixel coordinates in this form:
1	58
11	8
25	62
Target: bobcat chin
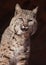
15	44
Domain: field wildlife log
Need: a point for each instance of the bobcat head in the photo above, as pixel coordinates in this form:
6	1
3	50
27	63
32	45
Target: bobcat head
24	21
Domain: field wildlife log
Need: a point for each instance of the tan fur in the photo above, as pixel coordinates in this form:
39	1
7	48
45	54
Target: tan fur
15	42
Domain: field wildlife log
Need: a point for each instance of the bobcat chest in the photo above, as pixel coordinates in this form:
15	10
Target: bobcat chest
20	44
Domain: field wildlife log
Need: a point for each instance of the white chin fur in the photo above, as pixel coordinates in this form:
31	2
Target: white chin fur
19	32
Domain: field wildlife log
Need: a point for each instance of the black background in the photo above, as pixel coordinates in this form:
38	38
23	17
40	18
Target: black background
38	46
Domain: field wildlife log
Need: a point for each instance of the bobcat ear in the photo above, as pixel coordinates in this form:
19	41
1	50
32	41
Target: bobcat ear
35	10
18	8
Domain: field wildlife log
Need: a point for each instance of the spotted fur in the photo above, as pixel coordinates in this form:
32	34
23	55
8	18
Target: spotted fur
15	43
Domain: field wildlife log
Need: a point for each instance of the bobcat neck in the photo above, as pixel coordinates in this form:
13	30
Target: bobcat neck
24	36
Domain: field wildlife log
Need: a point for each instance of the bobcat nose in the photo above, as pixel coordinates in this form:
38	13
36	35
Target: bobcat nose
24	28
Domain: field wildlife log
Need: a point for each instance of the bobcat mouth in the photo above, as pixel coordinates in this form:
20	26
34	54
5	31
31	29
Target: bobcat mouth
22	32
24	28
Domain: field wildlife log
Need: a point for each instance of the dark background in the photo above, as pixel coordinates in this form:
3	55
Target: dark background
38	56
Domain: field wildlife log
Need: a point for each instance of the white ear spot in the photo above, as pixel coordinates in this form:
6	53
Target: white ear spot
35	10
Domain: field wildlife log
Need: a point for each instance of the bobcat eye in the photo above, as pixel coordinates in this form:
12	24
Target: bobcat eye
29	20
21	19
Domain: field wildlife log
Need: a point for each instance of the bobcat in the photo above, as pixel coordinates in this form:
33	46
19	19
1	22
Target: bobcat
15	42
